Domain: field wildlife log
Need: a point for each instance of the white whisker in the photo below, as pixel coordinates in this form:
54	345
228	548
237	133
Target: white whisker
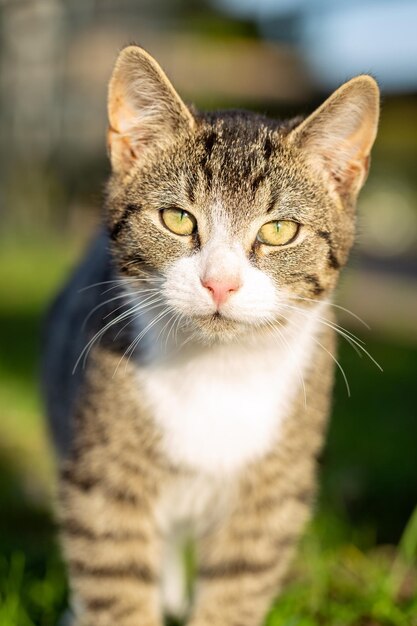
291	350
101	304
155	304
99	334
337	363
133	345
351	338
337	306
134	298
121	281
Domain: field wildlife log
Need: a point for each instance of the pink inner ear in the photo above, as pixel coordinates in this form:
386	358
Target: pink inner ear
346	159
122	116
122	148
121	151
348	174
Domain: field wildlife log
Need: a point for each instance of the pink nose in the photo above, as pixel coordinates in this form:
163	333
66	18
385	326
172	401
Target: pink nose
220	290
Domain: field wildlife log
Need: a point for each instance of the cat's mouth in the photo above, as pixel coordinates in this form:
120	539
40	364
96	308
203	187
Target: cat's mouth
218	327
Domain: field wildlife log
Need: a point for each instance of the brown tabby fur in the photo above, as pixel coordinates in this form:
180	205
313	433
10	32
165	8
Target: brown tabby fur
114	470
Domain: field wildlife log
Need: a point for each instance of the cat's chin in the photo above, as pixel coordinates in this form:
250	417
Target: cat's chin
218	329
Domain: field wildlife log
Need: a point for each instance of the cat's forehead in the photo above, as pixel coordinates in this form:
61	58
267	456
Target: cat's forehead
242	165
234	167
239	141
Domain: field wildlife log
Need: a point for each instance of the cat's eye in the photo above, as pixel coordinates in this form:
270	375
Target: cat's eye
278	232
179	222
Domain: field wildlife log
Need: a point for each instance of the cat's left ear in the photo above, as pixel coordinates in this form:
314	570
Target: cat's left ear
337	138
144	109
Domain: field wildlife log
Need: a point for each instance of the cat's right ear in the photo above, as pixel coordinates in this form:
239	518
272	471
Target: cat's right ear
337	138
144	109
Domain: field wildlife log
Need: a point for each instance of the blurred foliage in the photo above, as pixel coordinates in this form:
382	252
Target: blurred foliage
344	586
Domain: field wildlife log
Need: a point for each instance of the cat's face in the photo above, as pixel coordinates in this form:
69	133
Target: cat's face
232	211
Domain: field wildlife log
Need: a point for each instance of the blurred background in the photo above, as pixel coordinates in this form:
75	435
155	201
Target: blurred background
357	564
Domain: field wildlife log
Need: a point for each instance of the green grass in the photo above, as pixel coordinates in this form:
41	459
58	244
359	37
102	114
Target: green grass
30	596
345	586
340	586
357	563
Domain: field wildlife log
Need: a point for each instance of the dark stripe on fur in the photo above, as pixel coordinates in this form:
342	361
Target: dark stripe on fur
86	484
74	528
287	541
333	262
258	179
313	280
235	568
209	142
191	184
208	173
268	148
305	496
124	612
126	570
272	203
121	223
100	604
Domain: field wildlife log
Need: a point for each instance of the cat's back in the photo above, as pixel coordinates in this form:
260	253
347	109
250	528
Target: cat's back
66	333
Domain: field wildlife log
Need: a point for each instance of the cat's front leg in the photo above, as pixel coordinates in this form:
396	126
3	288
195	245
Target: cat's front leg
243	562
111	543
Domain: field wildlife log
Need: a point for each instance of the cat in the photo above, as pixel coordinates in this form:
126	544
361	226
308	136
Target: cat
189	362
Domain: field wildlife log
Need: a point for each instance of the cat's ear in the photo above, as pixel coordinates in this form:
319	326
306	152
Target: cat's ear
337	138
144	109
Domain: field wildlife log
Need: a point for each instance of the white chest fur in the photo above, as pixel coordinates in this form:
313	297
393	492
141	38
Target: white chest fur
220	407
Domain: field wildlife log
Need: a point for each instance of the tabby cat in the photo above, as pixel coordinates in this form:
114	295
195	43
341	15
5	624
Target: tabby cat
189	361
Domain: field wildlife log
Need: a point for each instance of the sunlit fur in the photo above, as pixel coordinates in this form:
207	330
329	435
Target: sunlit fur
181	415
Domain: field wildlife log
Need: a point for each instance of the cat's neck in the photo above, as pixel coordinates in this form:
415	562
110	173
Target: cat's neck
220	406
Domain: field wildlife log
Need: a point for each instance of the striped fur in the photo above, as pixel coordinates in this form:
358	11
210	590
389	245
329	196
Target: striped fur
132	491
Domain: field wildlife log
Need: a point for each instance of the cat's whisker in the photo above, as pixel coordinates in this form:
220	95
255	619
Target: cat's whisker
178	325
134	298
153	304
290	321
99	284
281	336
87	348
133	345
161	332
130	299
101	304
333	359
188	337
119	281
174	319
343	332
351	338
336	306
337	363
126	284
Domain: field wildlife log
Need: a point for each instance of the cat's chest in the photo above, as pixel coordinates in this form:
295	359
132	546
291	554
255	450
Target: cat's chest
224	407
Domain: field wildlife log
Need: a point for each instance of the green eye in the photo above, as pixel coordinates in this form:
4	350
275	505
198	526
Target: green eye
179	222
278	233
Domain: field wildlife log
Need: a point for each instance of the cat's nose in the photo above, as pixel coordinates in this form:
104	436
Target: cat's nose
220	290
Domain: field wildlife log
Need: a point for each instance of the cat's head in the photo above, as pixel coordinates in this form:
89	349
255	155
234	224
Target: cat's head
240	216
